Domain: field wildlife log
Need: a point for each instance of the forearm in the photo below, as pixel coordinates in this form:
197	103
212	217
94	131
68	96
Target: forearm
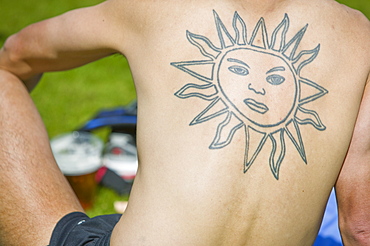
353	187
354	217
57	44
355	232
358	237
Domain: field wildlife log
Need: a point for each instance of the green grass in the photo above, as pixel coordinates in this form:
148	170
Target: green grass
104	202
68	99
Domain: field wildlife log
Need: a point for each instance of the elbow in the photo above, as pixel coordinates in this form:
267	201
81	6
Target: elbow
10	56
13	51
13	59
356	234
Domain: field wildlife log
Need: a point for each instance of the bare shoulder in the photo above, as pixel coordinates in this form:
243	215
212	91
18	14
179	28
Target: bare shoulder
350	18
352	13
147	11
349	29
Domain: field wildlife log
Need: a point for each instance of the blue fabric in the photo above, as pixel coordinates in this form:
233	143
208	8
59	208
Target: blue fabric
109	121
112	117
329	234
326	241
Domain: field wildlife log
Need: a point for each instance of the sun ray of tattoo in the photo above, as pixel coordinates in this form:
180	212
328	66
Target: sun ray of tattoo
225	72
304	58
306	116
208	50
295	136
278	152
279	34
225	37
240	30
229	126
259	33
251	148
186	67
213	110
320	91
206	92
292	46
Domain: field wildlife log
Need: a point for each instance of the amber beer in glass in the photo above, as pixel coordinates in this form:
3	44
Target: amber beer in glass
85	188
78	155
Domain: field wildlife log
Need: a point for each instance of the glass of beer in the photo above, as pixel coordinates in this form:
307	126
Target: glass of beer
78	155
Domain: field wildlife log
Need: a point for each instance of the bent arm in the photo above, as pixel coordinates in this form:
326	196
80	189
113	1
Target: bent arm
353	185
60	43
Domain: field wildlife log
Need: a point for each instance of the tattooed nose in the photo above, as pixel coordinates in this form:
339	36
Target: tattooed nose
260	91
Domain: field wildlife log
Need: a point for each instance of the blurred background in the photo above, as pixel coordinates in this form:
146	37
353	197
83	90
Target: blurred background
100	85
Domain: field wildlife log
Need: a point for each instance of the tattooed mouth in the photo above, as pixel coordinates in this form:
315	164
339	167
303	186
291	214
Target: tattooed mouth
256	106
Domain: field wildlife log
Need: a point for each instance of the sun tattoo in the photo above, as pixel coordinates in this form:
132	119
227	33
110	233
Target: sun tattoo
254	85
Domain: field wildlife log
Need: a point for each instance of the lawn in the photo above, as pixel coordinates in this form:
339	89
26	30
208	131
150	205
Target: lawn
68	99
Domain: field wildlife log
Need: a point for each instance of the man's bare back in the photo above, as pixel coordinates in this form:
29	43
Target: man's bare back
233	170
246	112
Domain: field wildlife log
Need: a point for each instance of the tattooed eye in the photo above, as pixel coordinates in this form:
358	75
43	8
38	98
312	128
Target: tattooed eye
275	79
239	70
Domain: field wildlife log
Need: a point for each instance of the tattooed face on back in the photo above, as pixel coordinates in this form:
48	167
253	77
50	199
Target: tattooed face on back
260	86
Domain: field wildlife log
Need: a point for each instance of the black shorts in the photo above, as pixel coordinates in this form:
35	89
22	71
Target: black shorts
77	229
